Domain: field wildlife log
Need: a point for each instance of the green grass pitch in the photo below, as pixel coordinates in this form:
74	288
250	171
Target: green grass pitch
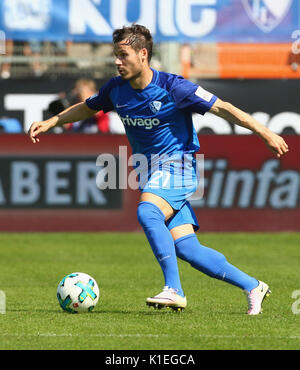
32	264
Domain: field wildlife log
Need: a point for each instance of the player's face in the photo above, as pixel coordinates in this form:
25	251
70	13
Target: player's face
129	62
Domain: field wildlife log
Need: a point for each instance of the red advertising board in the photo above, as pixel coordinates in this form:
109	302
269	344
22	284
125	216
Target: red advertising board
50	186
249	189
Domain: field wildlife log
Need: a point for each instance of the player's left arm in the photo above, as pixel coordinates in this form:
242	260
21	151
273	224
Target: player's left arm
235	115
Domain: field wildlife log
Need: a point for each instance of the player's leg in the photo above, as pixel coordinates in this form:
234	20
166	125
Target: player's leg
162	204
215	265
153	211
207	260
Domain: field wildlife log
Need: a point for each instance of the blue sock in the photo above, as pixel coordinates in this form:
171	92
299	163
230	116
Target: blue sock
152	220
212	263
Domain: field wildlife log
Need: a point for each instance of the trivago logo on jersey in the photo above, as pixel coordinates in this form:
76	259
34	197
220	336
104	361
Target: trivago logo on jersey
148	123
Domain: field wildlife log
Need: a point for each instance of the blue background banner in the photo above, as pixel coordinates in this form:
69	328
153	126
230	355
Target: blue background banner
265	21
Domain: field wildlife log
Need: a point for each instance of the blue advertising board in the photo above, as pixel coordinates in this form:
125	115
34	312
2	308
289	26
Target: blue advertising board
169	20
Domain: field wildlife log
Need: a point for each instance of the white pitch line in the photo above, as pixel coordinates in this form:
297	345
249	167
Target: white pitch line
146	335
77	335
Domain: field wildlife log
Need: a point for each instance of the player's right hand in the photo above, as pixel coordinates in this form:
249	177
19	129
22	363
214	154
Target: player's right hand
38	128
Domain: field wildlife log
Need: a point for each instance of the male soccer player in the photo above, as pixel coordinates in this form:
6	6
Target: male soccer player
156	109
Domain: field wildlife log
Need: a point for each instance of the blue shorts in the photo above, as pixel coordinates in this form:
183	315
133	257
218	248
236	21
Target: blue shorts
184	216
175	182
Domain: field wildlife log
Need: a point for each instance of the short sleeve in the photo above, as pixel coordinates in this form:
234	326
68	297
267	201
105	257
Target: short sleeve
101	100
192	97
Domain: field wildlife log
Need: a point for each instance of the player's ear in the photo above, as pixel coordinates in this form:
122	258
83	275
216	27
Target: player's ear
144	54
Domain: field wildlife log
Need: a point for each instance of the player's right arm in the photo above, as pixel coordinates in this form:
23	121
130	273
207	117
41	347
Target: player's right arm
76	112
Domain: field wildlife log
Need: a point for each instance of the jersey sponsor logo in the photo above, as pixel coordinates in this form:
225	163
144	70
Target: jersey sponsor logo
148	123
155	106
267	14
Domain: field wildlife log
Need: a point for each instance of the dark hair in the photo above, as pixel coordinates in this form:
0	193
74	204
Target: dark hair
137	36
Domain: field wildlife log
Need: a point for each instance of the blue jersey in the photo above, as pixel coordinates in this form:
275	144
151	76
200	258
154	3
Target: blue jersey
157	119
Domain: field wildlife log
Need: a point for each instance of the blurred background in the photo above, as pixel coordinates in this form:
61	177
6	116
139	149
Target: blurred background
55	53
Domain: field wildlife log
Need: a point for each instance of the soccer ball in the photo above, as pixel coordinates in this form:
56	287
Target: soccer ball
78	292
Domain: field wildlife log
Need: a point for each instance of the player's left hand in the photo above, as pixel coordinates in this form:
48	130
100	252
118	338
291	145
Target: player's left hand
276	144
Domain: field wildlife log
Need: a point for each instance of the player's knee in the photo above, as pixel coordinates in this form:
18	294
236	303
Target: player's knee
148	214
182	253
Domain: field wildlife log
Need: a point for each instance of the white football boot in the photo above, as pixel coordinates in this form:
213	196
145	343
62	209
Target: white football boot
167	298
256	297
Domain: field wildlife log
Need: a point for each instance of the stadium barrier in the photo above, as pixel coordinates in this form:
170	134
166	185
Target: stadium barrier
253	60
51	186
274	102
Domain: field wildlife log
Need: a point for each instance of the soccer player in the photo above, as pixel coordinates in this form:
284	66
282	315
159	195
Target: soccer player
156	109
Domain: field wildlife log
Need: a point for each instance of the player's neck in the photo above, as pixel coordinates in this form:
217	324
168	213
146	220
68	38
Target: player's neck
142	80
